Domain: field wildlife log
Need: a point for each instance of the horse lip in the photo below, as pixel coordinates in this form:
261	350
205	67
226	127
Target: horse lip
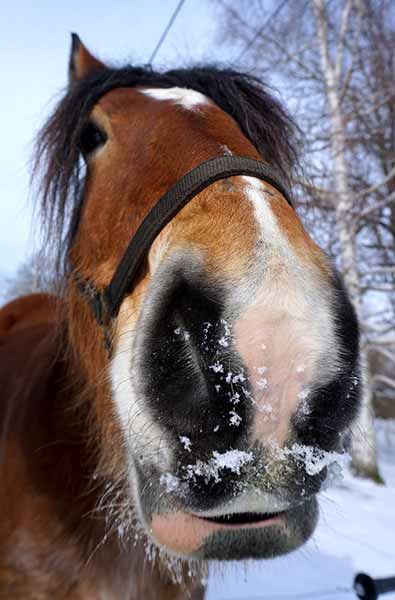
186	533
261	521
252	502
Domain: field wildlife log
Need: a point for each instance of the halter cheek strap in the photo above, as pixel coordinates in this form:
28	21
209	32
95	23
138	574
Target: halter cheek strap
105	303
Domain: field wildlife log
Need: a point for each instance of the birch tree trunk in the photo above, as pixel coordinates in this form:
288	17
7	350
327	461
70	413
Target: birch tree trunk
364	458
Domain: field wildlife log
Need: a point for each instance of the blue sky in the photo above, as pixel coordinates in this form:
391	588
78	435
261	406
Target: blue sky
34	47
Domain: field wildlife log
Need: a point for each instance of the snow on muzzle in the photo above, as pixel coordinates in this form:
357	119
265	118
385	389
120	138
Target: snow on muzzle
261	519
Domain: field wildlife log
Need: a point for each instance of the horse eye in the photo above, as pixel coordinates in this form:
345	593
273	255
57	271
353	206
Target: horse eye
91	138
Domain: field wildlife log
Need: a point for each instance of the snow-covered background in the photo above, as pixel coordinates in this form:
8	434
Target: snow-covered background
355	533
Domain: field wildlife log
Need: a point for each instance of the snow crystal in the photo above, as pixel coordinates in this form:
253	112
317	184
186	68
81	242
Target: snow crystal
228	331
261	370
248	395
234	378
217	367
170	482
262	383
303	394
314	459
231	459
177	331
304	405
223	342
235	398
240	377
186	442
235	419
216	428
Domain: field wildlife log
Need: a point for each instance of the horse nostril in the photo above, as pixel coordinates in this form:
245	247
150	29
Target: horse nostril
192	375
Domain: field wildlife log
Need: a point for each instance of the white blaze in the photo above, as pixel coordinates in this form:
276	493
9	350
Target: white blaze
284	322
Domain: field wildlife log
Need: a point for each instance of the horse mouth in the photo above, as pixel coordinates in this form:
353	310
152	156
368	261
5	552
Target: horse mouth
244	520
232	536
253	524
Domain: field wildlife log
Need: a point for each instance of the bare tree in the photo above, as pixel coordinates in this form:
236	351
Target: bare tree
333	60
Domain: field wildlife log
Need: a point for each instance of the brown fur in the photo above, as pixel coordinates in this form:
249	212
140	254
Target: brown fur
50	542
27	310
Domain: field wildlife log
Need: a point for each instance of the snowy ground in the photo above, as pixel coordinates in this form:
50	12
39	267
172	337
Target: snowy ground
355	533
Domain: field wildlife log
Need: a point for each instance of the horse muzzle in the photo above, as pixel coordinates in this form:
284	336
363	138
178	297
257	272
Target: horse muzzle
247	524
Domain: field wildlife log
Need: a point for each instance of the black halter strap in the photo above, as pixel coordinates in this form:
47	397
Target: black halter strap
105	304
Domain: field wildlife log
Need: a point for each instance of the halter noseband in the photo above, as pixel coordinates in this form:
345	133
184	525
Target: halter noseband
105	304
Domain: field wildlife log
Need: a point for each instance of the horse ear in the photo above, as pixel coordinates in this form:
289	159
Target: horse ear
82	62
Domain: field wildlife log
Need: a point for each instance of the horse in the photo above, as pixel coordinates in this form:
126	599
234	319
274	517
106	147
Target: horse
180	396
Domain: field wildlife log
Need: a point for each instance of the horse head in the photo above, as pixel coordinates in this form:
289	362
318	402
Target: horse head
230	375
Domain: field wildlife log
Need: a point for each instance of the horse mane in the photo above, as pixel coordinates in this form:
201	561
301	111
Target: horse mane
58	162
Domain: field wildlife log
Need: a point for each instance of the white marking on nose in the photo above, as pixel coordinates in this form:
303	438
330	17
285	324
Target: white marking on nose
285	332
256	193
253	182
184	96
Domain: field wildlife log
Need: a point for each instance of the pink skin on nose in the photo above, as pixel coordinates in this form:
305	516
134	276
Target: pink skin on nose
279	354
185	533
